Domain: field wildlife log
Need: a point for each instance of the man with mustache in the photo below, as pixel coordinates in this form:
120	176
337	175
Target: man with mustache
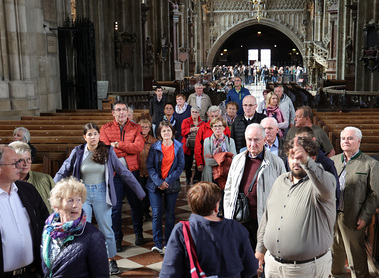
296	229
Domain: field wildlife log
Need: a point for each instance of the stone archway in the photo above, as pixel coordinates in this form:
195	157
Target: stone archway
273	24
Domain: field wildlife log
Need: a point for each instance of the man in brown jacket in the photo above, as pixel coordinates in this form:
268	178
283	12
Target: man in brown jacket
359	184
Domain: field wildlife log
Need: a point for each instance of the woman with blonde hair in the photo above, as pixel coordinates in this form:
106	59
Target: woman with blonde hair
273	110
72	247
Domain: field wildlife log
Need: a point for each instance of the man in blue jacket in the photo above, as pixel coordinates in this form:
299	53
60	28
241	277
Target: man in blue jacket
237	93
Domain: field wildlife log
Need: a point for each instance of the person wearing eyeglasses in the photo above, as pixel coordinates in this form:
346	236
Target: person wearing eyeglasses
41	181
126	138
22	216
217	143
249	116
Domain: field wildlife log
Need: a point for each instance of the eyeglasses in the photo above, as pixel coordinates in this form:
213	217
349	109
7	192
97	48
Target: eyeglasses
28	160
119	109
248	105
17	164
217	126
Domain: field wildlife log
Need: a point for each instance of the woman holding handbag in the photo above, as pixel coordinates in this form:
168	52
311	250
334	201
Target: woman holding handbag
220	244
165	163
190	126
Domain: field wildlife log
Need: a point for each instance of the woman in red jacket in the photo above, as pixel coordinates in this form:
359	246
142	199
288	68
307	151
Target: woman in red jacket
190	126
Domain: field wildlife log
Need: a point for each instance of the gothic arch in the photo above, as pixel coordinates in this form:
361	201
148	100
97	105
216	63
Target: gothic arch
276	25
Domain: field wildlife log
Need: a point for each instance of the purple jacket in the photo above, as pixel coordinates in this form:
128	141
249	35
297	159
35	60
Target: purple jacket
71	166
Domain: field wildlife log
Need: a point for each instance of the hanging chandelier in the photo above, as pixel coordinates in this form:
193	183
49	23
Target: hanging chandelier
258	10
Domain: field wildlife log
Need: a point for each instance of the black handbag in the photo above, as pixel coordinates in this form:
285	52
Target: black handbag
191	140
242	210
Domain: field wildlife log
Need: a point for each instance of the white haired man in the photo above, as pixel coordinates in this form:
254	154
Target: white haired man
359	184
201	100
252	172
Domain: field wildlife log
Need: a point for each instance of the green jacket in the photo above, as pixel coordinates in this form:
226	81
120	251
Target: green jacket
43	183
361	187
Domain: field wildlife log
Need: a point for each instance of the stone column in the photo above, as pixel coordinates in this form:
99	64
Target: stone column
17	95
175	43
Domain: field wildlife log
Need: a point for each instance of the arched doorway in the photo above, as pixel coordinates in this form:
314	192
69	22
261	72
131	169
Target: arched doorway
258	39
288	36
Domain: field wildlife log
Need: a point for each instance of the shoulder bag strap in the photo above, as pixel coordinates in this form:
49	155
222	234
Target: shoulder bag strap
191	251
255	178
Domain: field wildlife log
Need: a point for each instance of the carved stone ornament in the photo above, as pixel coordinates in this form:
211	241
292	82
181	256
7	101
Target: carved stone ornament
370	50
124	48
183	54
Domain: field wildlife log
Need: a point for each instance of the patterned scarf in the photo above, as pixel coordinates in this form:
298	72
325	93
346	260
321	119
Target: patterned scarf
276	113
219	145
230	120
172	121
54	229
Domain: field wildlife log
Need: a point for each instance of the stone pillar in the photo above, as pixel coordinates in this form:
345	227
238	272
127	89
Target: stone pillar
17	93
13	47
175	44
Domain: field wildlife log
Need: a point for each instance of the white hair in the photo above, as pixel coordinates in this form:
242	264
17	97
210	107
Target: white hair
214	108
357	131
271	119
25	133
255	125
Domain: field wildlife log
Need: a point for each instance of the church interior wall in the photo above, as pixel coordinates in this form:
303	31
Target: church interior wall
29	72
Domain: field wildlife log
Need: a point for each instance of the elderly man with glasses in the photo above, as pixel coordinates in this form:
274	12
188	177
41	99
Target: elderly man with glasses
22	216
41	181
249	116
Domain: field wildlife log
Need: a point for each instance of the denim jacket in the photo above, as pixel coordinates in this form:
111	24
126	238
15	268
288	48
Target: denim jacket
154	163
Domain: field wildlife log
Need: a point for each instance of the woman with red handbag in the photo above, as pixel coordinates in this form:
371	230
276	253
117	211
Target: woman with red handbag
207	245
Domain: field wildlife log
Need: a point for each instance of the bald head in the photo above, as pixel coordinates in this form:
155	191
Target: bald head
249	104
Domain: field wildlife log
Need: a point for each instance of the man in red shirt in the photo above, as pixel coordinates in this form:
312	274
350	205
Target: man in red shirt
126	139
205	131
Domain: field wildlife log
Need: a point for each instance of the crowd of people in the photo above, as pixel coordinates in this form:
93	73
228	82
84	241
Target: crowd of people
254	74
268	193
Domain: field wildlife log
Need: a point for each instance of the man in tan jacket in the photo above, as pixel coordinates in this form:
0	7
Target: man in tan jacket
359	184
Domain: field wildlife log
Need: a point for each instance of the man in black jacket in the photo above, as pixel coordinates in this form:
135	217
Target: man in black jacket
22	217
156	107
249	104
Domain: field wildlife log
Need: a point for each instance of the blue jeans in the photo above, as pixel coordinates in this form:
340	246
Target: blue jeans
123	189
103	212
157	208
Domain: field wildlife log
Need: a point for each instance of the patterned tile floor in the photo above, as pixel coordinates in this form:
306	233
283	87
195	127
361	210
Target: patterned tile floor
139	261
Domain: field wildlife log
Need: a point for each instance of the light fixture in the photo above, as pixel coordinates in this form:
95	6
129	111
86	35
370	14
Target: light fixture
258	9
259	33
274	45
293	49
225	50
